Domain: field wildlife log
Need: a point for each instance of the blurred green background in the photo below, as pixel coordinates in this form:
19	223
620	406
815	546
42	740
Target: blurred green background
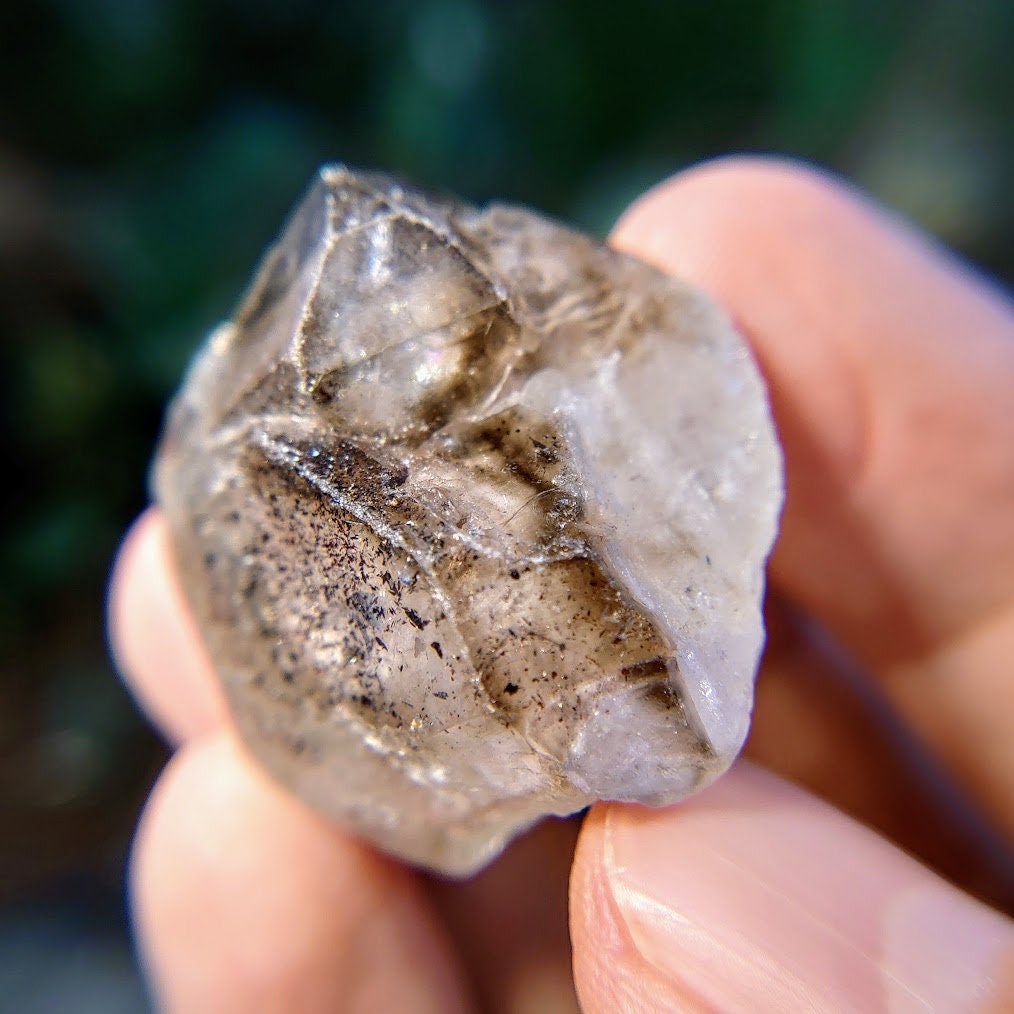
149	150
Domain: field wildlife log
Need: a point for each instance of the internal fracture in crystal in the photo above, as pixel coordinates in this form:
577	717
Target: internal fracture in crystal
472	512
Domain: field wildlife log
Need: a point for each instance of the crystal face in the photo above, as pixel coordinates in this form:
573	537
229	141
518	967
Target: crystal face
472	512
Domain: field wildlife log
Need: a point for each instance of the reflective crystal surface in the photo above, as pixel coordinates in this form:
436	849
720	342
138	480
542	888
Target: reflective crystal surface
473	514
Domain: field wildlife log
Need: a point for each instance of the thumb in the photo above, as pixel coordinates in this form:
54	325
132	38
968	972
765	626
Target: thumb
756	896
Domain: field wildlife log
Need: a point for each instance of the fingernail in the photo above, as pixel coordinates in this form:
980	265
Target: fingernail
756	897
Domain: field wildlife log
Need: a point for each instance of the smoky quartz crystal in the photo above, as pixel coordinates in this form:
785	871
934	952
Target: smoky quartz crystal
473	513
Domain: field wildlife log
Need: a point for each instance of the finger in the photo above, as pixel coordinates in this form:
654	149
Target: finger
820	723
892	376
509	924
155	641
245	900
756	896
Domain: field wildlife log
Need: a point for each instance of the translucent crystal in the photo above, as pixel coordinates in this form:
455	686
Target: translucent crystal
473	513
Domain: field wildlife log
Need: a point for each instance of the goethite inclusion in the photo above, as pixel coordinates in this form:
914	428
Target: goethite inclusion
473	513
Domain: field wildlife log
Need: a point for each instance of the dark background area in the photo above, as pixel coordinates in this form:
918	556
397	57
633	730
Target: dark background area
148	152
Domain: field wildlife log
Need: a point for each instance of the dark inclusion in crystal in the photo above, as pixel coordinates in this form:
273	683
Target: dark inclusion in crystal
472	512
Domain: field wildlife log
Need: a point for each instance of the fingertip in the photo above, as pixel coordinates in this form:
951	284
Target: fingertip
154	639
888	362
890	368
756	896
244	899
733	224
610	973
767	201
836	295
753	232
723	193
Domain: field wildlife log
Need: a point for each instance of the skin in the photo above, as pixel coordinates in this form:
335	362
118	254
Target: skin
886	691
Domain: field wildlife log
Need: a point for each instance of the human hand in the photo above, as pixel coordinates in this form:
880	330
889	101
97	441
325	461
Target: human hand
892	378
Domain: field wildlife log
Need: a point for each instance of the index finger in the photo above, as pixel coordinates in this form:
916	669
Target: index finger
891	369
